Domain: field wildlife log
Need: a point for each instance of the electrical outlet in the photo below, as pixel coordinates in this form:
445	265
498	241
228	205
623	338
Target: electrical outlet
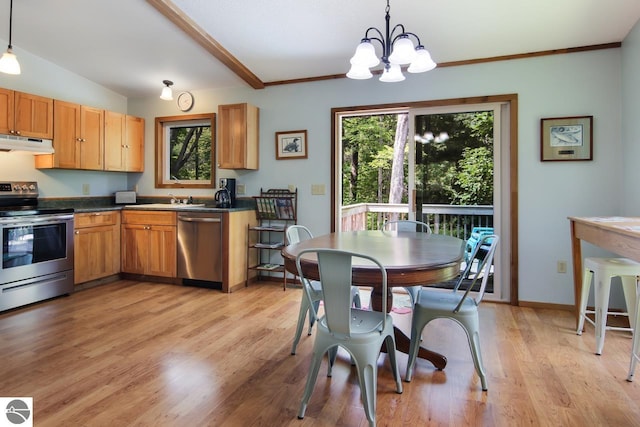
562	266
86	189
317	189
135	188
240	189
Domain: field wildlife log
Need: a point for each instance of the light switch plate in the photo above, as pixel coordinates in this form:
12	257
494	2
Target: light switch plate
240	189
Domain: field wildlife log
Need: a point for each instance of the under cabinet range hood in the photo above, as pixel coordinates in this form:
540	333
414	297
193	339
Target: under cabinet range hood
21	143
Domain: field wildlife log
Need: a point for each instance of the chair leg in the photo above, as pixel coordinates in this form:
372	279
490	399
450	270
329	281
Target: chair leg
586	285
355	297
312	318
333	353
304	308
418	322
390	342
471	325
368	377
316	359
414	293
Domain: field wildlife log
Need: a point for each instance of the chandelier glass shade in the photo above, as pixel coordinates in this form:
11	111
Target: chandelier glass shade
397	50
167	93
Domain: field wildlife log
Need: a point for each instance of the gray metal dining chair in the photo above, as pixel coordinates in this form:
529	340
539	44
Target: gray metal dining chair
360	332
296	234
407	225
456	305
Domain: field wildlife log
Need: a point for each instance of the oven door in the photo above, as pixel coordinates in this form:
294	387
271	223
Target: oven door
36	245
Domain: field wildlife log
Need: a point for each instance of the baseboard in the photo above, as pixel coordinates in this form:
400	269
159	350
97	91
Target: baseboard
546	305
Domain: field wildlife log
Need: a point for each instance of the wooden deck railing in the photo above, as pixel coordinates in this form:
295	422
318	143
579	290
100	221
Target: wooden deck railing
451	220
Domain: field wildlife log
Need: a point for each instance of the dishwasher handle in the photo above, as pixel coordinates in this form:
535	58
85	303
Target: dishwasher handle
198	219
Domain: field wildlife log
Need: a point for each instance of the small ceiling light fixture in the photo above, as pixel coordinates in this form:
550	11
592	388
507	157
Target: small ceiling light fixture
9	63
397	50
167	93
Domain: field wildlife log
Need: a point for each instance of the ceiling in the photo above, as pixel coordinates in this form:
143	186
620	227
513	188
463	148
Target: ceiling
130	46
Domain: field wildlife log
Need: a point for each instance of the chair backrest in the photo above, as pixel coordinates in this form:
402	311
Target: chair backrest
298	233
487	244
335	268
407	225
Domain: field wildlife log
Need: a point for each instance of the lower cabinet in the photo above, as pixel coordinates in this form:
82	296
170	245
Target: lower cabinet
96	243
149	242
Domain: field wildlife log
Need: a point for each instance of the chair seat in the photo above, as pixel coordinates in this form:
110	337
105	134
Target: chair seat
444	302
363	322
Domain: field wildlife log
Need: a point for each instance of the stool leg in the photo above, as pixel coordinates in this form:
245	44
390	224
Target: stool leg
635	347
602	289
630	295
584	297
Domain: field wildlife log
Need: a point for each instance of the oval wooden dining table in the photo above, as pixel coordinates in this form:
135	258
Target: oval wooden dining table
409	258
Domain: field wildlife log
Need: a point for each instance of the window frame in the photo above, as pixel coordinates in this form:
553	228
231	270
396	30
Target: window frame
161	168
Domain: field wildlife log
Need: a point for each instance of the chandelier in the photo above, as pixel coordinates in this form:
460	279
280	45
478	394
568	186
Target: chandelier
397	50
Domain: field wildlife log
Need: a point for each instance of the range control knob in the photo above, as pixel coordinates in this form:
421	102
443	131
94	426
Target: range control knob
16	187
32	187
24	187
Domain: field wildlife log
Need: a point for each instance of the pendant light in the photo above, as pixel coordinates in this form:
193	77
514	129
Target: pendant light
167	93
9	63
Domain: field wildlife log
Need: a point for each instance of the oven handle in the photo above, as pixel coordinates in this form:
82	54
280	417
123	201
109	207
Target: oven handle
35	220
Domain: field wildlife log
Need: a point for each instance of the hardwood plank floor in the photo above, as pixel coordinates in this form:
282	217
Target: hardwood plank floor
145	354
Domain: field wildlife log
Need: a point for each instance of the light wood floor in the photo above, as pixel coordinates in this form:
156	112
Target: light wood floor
143	354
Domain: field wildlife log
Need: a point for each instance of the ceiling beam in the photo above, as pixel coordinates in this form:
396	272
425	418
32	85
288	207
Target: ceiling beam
200	36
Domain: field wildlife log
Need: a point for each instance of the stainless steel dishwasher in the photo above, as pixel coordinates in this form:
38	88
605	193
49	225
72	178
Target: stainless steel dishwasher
200	246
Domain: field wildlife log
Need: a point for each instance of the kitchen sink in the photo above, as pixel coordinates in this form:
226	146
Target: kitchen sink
168	206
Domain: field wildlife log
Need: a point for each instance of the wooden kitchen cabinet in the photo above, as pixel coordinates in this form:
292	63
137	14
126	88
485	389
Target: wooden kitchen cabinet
149	243
238	136
123	142
78	138
23	114
96	243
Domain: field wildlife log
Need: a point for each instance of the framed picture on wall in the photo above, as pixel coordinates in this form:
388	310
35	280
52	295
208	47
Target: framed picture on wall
566	138
291	145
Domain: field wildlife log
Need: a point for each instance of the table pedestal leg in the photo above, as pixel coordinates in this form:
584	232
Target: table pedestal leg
402	341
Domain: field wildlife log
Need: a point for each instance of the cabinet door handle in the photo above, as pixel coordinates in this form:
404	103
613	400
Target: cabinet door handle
76	232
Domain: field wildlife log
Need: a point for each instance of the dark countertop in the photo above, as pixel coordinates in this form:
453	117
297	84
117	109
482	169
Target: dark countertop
97	204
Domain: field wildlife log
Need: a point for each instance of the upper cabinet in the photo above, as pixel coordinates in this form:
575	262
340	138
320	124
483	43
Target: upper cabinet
23	114
123	142
78	138
93	139
238	136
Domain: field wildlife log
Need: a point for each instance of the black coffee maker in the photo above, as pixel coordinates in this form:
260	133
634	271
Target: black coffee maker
230	185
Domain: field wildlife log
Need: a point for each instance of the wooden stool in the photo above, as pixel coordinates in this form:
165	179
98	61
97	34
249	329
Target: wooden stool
601	271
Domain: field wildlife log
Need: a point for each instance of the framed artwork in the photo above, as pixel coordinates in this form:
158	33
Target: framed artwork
291	145
566	138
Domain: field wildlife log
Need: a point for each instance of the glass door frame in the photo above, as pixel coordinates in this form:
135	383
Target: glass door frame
508	163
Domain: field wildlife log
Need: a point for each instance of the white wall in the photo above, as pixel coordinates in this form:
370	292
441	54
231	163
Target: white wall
631	122
586	83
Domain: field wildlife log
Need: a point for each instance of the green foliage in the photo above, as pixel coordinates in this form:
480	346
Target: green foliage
475	177
190	152
458	170
367	144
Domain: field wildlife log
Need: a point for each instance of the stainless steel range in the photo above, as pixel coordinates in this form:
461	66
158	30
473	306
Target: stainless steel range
37	247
